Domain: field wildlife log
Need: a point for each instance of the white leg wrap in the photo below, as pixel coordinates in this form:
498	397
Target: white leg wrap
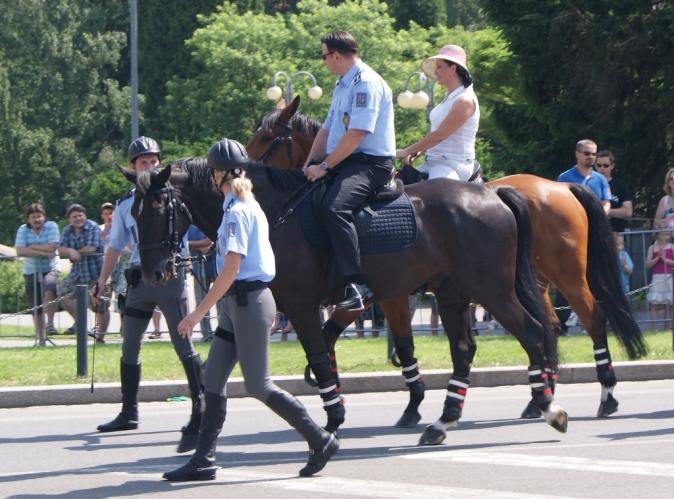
605	392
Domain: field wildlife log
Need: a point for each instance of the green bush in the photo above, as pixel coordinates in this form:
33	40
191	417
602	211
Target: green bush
11	287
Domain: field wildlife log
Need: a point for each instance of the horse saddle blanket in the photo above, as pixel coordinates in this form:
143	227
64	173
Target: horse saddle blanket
382	226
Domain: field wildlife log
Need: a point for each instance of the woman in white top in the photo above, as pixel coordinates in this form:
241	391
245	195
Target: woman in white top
450	145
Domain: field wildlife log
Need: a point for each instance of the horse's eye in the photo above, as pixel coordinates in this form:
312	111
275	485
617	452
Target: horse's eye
266	138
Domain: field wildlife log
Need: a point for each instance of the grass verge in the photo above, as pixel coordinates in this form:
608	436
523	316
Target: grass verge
27	366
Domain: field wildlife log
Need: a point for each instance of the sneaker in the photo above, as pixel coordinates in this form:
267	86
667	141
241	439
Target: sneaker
51	330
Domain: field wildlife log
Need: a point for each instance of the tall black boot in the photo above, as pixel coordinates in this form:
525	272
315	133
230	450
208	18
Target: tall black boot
190	432
201	465
128	418
322	444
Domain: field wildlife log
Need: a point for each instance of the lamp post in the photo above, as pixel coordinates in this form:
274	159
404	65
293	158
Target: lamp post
422	98
133	7
275	93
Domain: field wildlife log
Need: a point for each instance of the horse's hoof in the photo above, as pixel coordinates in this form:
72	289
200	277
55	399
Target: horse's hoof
408	420
607	407
557	418
432	436
531	411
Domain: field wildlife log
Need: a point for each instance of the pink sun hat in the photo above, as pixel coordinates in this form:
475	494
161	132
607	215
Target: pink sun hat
451	53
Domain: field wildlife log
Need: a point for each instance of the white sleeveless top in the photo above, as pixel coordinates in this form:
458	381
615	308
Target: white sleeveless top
460	144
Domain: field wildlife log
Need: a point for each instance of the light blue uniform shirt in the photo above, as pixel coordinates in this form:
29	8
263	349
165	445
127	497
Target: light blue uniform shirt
596	182
25	237
244	229
124	232
362	100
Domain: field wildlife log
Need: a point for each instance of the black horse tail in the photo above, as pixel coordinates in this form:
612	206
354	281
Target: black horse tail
603	277
526	286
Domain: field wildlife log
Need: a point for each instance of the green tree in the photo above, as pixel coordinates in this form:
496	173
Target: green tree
60	103
425	13
597	69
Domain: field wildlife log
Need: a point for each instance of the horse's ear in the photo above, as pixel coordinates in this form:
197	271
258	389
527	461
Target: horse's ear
162	176
289	111
128	173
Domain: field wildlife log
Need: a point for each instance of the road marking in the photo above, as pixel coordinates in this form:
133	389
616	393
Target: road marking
552	462
358	488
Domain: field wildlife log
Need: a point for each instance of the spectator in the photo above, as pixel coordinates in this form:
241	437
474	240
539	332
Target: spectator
156	325
625	263
82	244
203	271
665	210
107	210
37	241
660	259
621	196
117	279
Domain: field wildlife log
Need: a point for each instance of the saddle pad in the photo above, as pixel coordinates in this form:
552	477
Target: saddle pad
393	227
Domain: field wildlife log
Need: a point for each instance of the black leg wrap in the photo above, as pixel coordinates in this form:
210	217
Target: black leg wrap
410	371
190	431
332	330
541	394
605	373
552	377
328	389
456	394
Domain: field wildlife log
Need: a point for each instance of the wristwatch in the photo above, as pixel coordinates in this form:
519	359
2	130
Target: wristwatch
324	165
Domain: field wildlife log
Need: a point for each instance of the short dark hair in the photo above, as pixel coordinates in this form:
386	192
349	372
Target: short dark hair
605	153
107	206
35	208
341	41
75	207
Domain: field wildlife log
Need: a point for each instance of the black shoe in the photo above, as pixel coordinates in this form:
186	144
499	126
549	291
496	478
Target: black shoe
120	423
355	294
195	470
318	458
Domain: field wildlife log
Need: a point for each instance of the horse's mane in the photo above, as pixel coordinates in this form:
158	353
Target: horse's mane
195	169
298	121
284	180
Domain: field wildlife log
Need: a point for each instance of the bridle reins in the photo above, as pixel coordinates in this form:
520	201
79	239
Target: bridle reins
285	137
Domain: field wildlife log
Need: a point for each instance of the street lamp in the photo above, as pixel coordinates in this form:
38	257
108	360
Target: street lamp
422	98
274	92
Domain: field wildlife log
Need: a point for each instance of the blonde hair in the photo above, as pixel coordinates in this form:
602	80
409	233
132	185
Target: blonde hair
666	187
240	185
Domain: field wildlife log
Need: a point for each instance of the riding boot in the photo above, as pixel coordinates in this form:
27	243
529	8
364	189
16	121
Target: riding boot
128	418
354	297
190	432
201	465
322	445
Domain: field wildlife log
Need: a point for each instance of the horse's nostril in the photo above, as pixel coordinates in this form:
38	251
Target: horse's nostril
158	275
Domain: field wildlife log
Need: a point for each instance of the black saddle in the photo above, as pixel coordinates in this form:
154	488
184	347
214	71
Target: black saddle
410	175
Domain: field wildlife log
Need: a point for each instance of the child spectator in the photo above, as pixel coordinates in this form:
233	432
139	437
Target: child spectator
660	259
625	263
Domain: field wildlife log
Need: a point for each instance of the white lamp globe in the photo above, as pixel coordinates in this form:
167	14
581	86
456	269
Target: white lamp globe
405	99
420	100
315	92
274	93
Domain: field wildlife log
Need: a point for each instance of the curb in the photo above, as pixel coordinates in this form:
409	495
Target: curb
156	391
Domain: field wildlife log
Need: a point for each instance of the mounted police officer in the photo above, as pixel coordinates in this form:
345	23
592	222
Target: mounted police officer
144	153
355	145
245	267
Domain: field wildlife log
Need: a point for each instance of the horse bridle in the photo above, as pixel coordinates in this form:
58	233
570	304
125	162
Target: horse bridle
285	137
173	242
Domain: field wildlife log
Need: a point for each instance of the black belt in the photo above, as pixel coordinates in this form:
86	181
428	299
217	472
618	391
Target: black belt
361	156
240	289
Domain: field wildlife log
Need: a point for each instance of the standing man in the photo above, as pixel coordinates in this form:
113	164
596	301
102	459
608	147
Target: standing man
621	196
82	244
355	145
583	173
141	300
37	241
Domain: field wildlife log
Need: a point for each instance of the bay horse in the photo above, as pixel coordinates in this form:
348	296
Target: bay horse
471	242
573	249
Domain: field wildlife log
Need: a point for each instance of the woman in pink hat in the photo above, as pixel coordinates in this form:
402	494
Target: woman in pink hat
449	147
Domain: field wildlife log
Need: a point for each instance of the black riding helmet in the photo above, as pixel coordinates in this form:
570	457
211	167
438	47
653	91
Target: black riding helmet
143	145
227	155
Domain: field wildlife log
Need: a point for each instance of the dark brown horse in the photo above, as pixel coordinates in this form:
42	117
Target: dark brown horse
472	241
573	249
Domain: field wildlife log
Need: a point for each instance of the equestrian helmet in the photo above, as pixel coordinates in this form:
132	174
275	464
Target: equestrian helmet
227	154
143	145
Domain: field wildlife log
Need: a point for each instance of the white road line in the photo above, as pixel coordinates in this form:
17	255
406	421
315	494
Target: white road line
553	462
357	488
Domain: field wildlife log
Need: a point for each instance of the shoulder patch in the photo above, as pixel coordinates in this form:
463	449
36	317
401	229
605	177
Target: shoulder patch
356	79
361	99
128	194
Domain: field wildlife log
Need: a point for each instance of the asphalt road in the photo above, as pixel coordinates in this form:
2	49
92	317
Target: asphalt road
51	452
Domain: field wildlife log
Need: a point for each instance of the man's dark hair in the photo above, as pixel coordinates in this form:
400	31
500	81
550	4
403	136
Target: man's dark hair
34	208
341	41
75	207
605	153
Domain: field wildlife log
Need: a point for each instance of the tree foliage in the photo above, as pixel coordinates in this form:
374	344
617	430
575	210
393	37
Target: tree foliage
599	69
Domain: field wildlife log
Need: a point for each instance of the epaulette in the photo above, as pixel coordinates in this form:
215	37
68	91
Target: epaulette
356	79
128	194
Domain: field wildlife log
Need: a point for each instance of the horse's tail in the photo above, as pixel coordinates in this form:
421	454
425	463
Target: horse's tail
526	286
603	277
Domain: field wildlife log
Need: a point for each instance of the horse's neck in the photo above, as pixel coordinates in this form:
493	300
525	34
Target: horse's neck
205	205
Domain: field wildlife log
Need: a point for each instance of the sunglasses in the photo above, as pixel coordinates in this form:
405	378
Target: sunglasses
588	153
603	165
325	56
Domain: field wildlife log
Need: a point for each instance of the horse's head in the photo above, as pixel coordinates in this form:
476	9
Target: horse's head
283	137
161	219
